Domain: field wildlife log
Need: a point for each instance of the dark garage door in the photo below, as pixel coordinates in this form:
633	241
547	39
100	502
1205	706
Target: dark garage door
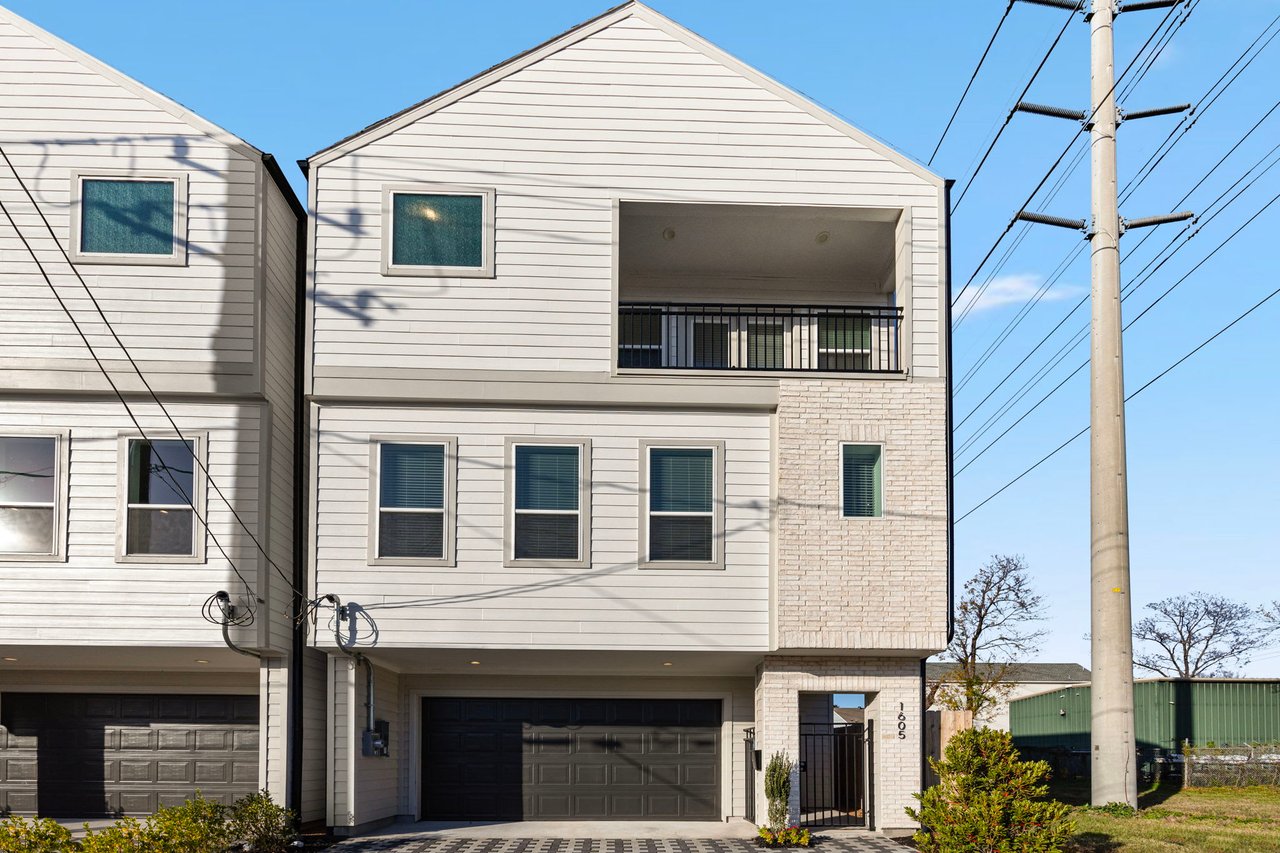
86	755
564	759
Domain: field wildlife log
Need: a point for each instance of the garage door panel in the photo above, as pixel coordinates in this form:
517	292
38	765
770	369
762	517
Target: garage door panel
89	755
578	759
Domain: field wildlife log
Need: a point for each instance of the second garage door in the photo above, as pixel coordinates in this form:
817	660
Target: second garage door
566	759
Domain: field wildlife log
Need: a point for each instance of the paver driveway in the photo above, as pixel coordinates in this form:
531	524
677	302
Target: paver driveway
843	843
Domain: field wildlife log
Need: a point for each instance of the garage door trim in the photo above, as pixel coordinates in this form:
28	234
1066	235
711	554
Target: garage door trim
414	740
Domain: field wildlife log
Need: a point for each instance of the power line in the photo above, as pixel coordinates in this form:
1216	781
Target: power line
1145	386
1127	326
137	425
136	369
969	85
1061	156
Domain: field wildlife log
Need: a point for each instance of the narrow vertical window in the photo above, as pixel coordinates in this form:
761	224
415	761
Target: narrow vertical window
861	489
29	495
547	502
161	498
411	515
844	342
681	504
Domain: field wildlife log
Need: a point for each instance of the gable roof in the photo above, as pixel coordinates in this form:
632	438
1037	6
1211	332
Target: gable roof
1019	673
151	96
631	9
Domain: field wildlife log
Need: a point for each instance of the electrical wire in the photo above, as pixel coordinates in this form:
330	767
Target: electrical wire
969	85
1144	387
120	396
1048	53
1168	16
137	370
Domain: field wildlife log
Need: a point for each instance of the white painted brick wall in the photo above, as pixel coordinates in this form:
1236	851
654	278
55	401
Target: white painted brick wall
861	583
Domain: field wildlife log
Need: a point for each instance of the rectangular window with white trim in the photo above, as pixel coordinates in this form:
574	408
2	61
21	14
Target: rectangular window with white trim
433	230
549	490
681	505
412	515
861	482
33	471
163	498
129	219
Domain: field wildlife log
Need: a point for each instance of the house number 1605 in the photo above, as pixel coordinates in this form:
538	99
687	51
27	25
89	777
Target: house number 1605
902	721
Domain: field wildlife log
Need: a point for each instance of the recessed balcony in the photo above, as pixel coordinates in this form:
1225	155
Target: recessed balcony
754	288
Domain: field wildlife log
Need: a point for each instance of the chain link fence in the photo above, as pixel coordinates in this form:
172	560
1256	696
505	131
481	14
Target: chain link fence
1231	766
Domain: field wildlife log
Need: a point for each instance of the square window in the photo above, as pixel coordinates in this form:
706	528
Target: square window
438	232
546	503
162	493
31	475
861	488
129	219
411	512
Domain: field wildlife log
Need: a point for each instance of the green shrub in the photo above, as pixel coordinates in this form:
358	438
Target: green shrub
261	824
789	836
988	801
32	835
777	790
127	835
196	826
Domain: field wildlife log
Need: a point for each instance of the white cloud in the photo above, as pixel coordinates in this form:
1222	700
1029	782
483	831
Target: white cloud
1017	289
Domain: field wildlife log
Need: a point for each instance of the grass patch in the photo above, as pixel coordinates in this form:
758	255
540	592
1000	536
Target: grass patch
1208	820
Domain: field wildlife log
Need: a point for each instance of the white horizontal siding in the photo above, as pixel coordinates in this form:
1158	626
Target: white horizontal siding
57	116
376	777
612	604
627	112
90	598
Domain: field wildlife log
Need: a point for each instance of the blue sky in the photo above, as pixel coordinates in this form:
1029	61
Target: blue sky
291	77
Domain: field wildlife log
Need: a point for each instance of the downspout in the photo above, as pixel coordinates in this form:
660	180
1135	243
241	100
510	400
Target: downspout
951	492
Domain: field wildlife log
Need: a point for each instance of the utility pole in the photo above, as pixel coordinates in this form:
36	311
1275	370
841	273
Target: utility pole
1114	753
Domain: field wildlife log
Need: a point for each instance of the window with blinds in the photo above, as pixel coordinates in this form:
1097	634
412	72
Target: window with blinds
681	504
411	515
860	482
546	504
163	484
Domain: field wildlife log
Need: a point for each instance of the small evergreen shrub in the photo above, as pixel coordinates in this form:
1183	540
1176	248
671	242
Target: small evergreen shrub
261	825
126	835
196	826
32	835
989	801
777	790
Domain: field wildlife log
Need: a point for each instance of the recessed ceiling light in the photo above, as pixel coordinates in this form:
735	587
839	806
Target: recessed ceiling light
823	236
666	663
668	233
475	663
201	660
10	660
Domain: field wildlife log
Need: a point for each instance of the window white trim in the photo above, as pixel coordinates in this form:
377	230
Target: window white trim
717	449
840	492
61	461
583	512
449	510
196	507
486	268
175	259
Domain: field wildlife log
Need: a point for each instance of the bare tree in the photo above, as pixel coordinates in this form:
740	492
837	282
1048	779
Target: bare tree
993	629
1200	635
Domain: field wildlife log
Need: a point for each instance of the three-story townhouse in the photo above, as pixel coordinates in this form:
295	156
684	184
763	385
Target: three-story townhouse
628	404
148	293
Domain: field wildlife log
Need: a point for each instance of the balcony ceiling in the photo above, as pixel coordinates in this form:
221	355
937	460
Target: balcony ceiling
853	245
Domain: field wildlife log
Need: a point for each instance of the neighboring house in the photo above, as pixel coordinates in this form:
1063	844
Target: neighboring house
116	697
1022	679
628	400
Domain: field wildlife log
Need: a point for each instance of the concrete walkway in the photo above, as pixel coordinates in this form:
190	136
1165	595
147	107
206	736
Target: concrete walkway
608	838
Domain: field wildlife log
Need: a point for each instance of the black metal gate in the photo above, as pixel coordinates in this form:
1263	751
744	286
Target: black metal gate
835	773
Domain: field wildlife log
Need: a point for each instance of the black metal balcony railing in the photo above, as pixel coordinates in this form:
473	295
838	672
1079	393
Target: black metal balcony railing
820	338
